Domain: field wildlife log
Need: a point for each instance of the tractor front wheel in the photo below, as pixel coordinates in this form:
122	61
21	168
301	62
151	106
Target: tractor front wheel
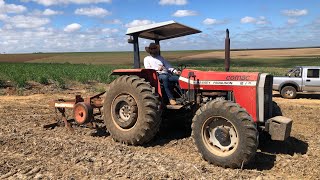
131	110
224	134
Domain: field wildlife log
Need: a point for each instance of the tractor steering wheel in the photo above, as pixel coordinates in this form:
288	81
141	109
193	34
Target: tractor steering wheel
181	67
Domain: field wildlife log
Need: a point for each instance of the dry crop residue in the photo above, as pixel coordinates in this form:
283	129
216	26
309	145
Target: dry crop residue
266	53
27	151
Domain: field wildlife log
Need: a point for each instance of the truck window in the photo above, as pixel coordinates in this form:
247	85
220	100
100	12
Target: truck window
295	72
313	73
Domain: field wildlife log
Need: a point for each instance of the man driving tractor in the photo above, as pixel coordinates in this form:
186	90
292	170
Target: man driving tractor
166	72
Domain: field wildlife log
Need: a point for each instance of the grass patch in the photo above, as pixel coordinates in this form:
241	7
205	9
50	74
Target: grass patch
20	73
61	73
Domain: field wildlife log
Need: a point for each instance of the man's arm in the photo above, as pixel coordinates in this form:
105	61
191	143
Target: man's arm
168	66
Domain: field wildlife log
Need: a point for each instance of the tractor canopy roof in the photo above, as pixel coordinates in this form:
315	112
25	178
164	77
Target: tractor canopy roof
162	30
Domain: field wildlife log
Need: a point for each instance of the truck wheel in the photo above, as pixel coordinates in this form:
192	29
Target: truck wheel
224	134
131	110
288	92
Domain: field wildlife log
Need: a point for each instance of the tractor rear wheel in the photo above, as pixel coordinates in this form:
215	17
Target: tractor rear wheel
131	110
224	134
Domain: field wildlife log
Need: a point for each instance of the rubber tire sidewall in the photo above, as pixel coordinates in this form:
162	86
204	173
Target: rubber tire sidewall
286	88
241	155
89	112
146	124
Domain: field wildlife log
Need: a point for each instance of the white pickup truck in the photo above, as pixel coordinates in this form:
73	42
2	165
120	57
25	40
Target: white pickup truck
298	79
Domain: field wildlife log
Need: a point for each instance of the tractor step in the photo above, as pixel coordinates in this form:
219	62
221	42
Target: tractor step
174	107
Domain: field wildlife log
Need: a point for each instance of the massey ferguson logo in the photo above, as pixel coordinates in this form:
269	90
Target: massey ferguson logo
237	78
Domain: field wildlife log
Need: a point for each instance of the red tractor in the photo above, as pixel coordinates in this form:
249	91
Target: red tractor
228	109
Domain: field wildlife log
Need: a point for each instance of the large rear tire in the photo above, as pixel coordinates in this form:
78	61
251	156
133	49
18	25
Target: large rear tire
224	134
131	110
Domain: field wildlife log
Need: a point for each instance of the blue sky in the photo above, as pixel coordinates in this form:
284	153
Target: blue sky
100	25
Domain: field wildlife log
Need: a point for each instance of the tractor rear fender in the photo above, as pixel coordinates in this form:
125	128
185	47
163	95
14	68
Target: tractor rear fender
149	75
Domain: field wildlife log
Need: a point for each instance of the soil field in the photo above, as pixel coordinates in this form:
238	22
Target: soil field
23	57
126	58
90	57
28	151
266	54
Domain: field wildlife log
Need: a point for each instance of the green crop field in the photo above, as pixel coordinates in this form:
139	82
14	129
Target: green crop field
61	68
21	73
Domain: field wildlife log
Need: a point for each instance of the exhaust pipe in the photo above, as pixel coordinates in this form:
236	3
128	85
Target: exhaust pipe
227	52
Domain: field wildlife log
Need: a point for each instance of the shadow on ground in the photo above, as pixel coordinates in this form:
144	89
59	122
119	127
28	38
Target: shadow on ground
173	129
179	128
265	159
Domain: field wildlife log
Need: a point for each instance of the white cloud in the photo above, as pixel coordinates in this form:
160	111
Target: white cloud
53	40
46	39
57	2
92	12
11	8
259	21
184	13
3	17
210	21
135	23
173	2
26	22
72	27
292	21
295	12
50	12
248	19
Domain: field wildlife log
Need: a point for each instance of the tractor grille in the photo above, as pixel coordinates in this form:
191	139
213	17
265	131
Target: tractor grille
268	97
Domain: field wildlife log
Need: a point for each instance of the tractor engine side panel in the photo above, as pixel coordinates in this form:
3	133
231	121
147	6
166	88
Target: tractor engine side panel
242	84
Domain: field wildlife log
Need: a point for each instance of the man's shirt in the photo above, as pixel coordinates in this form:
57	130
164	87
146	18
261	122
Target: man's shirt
155	62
